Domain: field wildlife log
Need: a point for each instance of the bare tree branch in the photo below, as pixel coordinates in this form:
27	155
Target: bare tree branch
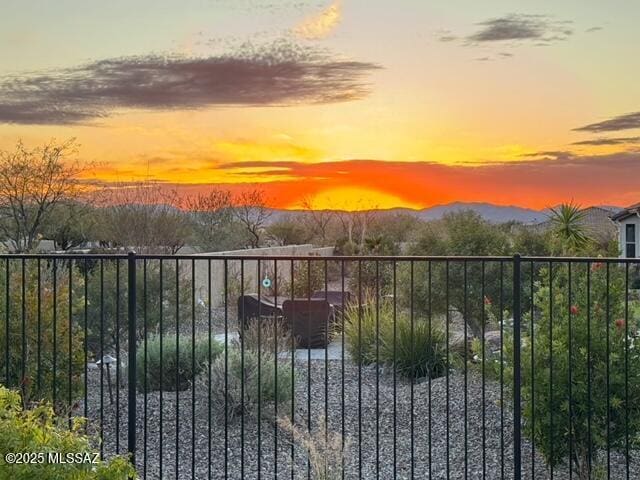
32	183
251	210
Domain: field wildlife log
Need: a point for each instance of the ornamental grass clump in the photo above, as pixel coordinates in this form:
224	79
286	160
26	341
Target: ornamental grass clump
419	349
362	325
326	450
247	383
378	332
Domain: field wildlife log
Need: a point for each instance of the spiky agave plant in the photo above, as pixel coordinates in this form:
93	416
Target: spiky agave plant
568	225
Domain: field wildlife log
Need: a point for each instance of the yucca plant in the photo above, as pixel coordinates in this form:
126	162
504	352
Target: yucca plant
568	226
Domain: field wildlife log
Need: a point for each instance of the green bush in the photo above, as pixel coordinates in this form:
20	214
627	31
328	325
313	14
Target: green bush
258	378
48	343
37	430
600	341
417	352
361	326
463	233
416	349
177	371
267	335
308	277
371	276
107	307
449	284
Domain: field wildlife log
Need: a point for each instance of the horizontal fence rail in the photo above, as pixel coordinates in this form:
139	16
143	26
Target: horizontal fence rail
260	367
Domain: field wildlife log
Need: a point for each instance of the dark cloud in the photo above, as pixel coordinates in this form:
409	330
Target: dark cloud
609	141
521	27
621	122
593	29
280	74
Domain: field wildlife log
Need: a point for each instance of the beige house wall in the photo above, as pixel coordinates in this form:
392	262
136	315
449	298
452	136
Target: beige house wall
248	267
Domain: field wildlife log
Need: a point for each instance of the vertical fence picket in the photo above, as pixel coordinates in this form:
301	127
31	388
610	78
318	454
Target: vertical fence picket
131	403
517	314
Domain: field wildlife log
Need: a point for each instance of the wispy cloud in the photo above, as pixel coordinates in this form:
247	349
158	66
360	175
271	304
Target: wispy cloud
628	121
447	38
521	27
278	74
549	155
322	24
609	141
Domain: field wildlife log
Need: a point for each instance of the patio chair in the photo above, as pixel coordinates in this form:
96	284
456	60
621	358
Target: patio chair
310	321
338	298
251	307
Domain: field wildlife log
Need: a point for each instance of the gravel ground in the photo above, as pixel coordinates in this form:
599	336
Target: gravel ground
364	452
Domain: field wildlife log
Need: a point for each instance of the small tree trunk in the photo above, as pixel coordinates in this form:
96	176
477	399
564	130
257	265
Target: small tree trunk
580	465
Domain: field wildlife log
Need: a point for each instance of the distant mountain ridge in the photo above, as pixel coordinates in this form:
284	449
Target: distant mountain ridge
488	211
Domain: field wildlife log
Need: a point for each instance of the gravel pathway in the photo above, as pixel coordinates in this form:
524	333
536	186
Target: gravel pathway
378	420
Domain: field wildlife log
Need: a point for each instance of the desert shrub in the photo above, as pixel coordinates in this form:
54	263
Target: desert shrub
49	345
587	333
38	430
107	316
242	371
266	335
326	450
369	276
415	348
177	371
448	283
463	233
418	351
308	277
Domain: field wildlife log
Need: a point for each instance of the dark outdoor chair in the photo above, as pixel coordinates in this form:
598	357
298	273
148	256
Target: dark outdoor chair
310	321
337	298
251	307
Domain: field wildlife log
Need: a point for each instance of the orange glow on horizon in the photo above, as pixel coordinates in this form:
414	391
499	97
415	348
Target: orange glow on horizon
354	199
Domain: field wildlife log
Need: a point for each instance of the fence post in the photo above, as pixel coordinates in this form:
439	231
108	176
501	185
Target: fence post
131	405
517	404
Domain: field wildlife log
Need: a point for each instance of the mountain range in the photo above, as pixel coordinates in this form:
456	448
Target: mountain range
490	212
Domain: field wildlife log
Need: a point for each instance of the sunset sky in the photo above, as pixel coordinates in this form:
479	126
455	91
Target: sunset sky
345	103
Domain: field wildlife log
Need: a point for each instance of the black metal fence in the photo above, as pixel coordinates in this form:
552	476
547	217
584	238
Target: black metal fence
334	367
